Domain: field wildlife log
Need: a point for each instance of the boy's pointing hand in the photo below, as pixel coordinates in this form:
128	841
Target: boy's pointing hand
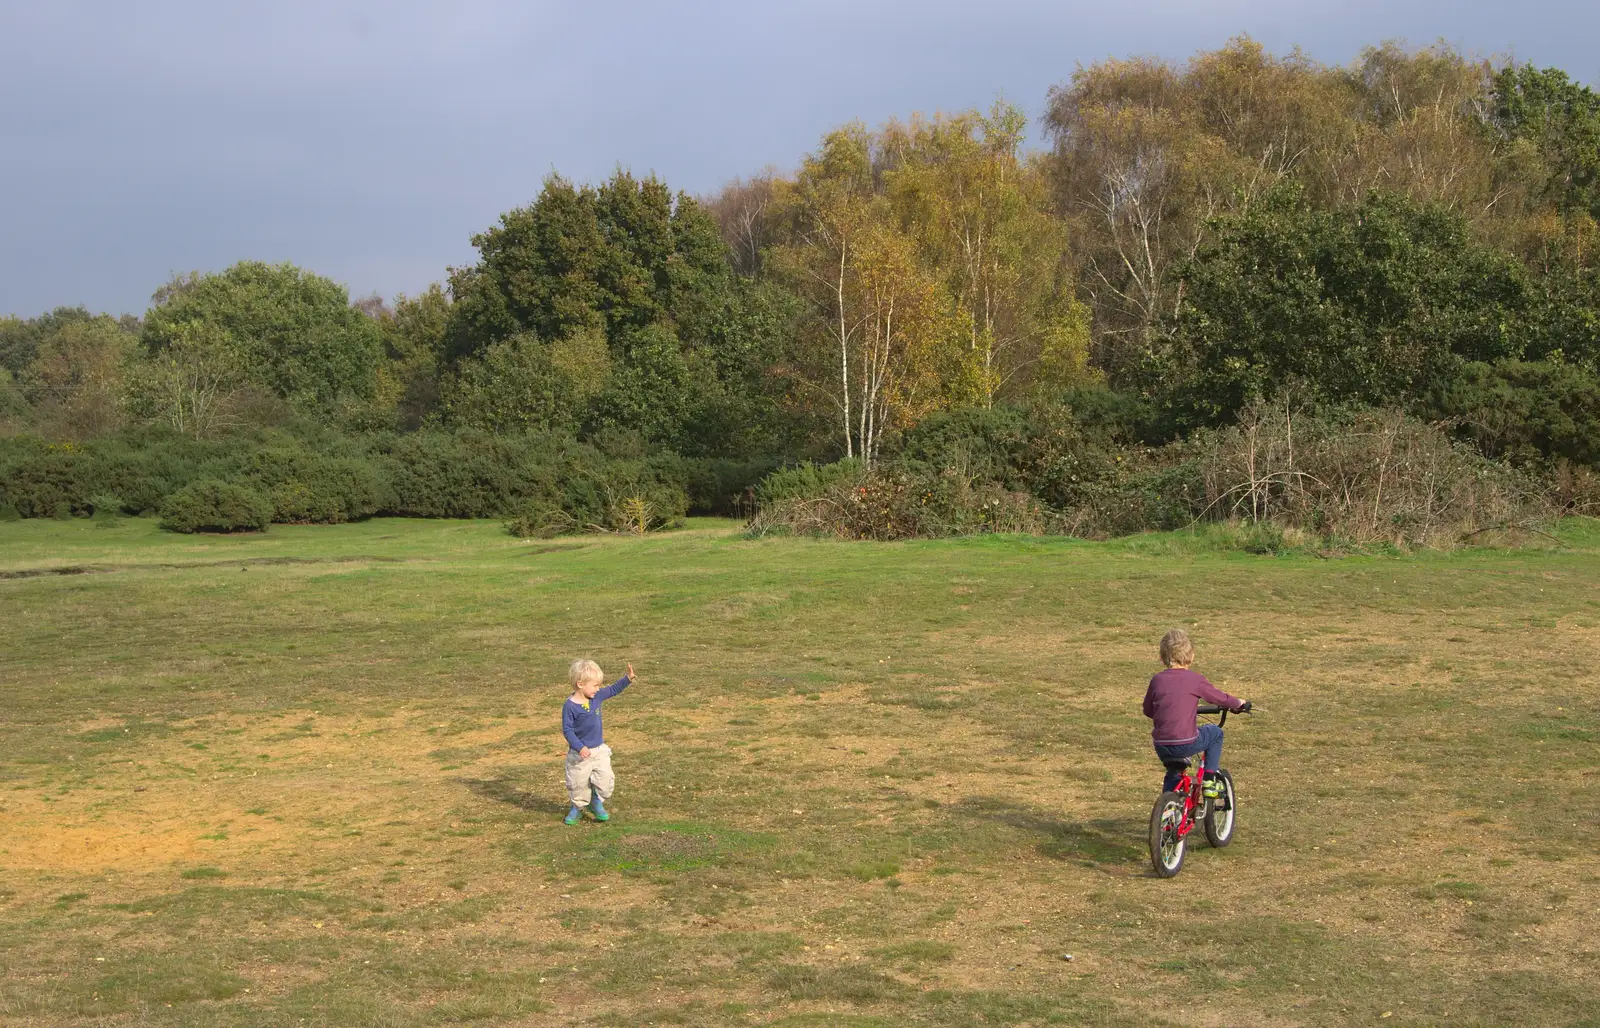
631	675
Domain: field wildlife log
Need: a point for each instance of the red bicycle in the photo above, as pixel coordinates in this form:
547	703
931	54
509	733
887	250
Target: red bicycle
1177	812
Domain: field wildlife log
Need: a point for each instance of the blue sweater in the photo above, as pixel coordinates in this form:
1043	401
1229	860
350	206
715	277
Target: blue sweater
580	722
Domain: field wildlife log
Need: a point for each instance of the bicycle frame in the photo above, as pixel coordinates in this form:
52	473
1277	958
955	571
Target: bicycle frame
1192	784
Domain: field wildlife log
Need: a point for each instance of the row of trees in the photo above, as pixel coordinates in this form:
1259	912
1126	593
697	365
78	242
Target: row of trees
1416	230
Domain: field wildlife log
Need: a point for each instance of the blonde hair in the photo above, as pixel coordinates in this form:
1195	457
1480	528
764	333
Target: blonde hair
585	672
1176	648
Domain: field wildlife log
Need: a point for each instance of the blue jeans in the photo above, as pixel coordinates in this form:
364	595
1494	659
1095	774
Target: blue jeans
1210	740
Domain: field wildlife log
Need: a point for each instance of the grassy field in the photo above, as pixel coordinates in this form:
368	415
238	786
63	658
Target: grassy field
314	778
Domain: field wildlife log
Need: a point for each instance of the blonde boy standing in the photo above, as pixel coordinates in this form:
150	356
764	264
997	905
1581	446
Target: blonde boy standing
589	777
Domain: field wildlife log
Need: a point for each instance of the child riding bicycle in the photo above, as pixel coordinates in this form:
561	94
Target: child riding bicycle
1172	702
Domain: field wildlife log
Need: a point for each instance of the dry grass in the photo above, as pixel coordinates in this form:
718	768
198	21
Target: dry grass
869	784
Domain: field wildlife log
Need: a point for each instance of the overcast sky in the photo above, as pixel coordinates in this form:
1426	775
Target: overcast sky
368	141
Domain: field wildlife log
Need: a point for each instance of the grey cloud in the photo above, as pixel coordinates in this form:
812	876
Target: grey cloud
368	141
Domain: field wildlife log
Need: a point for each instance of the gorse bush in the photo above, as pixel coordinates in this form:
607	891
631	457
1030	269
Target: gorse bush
986	443
1524	411
215	506
37	478
808	480
902	500
721	486
467	474
312	488
143	469
546	477
325	478
105	508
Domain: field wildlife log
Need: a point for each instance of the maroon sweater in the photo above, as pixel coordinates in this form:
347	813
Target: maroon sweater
1171	702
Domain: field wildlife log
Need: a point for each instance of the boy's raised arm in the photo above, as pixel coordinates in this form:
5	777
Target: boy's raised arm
616	687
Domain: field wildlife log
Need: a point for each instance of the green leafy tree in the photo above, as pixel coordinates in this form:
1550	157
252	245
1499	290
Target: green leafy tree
1558	120
1370	303
14	411
415	334
511	387
1148	155
981	220
196	383
624	294
21	338
75	382
294	333
538	271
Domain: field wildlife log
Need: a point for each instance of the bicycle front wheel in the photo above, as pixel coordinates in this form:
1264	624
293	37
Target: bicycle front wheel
1166	845
1222	813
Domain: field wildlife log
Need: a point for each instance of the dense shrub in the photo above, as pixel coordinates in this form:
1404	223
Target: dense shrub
312	488
1525	410
629	499
547	482
105	508
143	469
215	506
1110	417
1574	488
893	501
472	474
146	468
39	479
322	477
1139	490
807	480
988	443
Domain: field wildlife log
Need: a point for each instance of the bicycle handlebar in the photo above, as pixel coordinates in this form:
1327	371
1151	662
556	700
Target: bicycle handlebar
1224	711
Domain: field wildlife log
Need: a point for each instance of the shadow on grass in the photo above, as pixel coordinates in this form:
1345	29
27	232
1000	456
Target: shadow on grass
1101	842
503	790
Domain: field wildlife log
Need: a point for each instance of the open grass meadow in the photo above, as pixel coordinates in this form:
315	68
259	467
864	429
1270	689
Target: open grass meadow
313	777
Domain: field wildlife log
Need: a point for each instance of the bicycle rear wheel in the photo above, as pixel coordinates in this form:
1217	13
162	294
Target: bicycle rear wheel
1166	846
1222	813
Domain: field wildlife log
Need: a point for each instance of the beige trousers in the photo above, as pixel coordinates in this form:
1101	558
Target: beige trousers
582	775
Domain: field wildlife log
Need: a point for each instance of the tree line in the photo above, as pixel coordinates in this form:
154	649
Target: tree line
1414	232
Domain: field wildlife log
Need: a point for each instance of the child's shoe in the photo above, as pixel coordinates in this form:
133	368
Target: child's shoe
573	816
1211	788
597	807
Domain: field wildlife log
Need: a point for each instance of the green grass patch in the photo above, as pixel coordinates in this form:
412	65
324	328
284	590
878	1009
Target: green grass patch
857	784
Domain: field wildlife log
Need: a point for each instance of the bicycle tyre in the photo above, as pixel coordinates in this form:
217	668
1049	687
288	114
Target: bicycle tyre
1221	823
1166	849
